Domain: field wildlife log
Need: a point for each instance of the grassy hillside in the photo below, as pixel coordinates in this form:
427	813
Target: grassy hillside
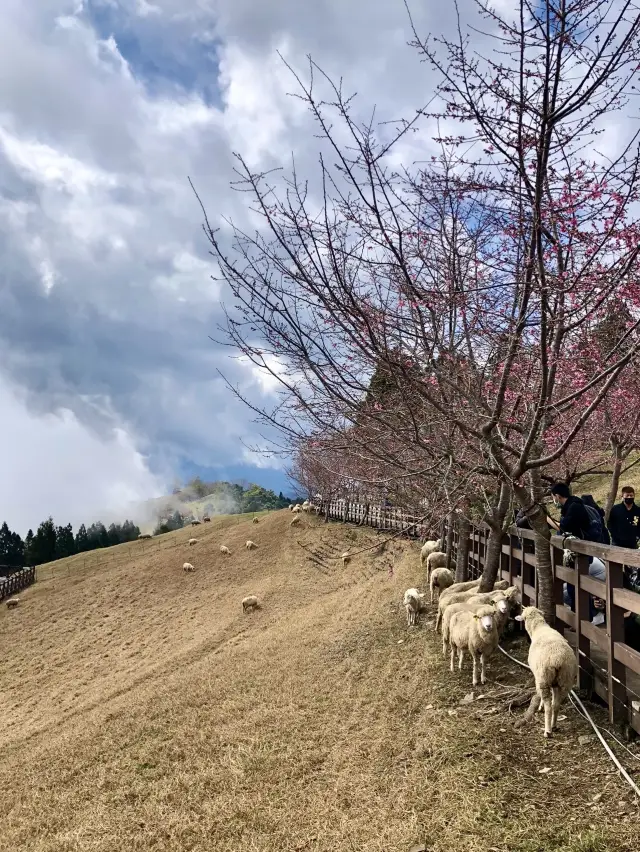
598	485
141	710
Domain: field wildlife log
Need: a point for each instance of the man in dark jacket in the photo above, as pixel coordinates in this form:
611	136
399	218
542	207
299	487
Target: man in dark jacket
624	520
574	519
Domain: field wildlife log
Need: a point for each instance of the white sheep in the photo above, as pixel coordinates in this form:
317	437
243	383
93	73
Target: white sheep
462	597
195	523
427	549
224	549
447	600
255	521
441	578
511	594
291	507
250	602
206	519
297	508
192	541
12	603
477	633
498	600
145	535
346	558
413	603
460	587
295	521
437	559
188	567
250	545
554	667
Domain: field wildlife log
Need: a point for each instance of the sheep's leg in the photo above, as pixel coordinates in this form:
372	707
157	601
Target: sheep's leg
431	594
534	705
460	657
547	700
438	618
556	701
444	647
453	655
483	679
474	677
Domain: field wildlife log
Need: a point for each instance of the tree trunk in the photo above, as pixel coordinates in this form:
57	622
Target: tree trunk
538	520
614	483
451	519
462	556
491	560
494	544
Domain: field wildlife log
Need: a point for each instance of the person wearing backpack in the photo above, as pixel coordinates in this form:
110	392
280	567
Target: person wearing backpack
580	520
574	517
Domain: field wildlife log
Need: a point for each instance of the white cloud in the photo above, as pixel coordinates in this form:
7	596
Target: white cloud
106	107
53	465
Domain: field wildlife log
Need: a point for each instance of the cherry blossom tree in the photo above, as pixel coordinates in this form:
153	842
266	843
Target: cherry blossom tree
473	281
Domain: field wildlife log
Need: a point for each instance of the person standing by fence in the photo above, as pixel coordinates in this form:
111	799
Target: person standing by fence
624	520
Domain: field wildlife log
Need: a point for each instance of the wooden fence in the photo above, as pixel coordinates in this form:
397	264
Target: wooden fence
607	664
374	515
20	579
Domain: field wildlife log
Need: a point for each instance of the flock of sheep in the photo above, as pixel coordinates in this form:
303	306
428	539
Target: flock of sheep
473	622
249	603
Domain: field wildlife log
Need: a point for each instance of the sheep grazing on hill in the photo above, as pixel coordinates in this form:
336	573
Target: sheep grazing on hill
255	521
188	567
477	633
291	507
206	519
413	603
462	597
346	558
427	549
295	521
441	578
554	667
12	603
224	549
145	535
192	541
297	508
250	545
251	602
195	523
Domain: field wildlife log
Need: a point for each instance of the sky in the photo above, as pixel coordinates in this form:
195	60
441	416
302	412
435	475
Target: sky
109	382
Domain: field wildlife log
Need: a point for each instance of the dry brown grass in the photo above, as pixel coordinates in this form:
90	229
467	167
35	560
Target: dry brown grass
141	710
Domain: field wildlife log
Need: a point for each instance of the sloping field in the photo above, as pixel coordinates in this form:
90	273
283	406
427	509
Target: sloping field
141	710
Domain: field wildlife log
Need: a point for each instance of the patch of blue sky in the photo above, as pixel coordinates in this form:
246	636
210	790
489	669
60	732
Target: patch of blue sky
163	53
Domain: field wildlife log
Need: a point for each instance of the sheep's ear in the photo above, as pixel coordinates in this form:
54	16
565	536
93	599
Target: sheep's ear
519	618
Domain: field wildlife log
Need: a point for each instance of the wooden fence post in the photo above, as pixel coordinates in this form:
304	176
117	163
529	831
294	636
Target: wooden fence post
616	671
583	645
558	588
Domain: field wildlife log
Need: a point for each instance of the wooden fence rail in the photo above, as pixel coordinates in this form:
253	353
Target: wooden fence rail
608	665
16	581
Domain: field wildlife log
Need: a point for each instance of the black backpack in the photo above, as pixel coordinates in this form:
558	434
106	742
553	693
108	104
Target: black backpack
595	530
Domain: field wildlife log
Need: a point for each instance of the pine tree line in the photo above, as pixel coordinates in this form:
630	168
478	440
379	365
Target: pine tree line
55	542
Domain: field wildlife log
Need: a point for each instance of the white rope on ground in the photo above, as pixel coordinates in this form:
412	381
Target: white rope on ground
578	703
